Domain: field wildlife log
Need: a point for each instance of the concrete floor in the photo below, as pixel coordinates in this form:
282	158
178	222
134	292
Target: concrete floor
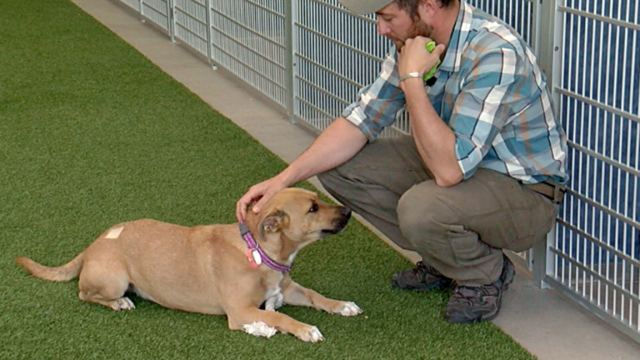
542	321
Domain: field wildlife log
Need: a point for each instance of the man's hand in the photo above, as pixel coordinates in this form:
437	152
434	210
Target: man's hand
415	57
338	143
261	193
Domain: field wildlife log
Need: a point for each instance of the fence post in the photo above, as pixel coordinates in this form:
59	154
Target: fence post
549	47
210	36
543	260
171	26
550	37
291	7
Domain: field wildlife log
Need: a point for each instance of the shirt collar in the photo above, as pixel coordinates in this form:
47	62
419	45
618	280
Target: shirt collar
453	58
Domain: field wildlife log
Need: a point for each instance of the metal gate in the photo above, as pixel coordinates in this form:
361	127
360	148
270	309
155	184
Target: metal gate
311	56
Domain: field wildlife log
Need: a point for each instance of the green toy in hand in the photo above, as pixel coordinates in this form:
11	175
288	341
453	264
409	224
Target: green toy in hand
429	74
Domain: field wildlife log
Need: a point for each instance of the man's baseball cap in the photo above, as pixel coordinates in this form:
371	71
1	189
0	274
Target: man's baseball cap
364	6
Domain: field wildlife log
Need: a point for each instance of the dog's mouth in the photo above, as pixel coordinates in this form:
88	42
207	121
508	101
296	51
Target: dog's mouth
327	232
339	223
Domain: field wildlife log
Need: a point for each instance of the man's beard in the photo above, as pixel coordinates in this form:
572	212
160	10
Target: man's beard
419	29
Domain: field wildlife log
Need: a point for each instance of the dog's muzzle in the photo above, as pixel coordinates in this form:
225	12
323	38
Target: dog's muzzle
340	222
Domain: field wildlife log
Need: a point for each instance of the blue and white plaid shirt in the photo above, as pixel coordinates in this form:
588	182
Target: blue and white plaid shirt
493	95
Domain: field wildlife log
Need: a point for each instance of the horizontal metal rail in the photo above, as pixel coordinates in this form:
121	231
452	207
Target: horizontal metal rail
325	92
604	19
611	109
599	243
240	61
250	30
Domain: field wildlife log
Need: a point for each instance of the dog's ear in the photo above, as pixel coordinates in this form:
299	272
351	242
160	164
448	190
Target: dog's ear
273	222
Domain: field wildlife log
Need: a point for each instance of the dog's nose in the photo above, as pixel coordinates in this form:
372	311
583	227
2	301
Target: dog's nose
345	211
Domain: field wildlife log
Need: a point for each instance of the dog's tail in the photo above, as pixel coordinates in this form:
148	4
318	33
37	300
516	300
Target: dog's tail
61	273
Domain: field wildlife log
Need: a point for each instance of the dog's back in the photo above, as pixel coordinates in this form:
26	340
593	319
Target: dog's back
156	260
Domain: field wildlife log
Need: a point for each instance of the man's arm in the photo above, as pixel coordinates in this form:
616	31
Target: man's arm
335	145
434	139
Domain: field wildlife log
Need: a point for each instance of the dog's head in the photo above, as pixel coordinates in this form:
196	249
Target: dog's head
295	217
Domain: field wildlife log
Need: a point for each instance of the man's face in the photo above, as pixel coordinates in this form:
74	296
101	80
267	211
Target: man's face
397	25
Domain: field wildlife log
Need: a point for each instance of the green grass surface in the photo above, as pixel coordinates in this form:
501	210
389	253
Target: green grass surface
94	134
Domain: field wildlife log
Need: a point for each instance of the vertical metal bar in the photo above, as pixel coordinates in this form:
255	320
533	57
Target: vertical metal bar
290	51
622	185
208	34
210	44
548	40
550	32
633	68
543	259
171	20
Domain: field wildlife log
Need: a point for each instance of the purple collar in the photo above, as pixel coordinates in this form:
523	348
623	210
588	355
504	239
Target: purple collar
256	255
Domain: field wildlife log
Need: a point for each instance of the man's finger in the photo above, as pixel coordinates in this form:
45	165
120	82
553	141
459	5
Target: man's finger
258	205
241	206
241	211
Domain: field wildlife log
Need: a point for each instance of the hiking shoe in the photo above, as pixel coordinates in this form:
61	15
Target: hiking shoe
470	304
423	278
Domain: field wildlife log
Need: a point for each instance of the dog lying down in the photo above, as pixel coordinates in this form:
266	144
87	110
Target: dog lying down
215	269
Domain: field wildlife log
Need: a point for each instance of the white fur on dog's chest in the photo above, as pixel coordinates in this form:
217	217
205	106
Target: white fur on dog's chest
273	286
273	299
273	292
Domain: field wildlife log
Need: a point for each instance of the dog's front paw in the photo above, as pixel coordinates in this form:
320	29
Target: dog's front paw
124	303
259	328
310	334
349	309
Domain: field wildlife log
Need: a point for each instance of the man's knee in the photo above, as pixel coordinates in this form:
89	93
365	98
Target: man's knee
324	178
331	179
423	210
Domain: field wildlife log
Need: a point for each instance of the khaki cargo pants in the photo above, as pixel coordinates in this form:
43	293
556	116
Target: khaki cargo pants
459	230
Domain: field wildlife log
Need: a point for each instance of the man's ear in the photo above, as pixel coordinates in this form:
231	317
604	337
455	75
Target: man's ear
426	8
273	223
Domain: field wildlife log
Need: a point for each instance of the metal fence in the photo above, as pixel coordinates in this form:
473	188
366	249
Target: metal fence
311	56
595	254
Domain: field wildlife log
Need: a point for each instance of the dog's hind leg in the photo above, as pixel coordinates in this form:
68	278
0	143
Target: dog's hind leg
106	288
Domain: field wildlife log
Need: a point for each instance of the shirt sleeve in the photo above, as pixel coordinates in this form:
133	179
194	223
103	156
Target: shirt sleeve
379	103
490	96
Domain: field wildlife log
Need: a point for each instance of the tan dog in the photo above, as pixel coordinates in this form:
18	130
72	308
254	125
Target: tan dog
210	269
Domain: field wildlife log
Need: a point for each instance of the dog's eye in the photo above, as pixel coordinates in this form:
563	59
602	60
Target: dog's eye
314	208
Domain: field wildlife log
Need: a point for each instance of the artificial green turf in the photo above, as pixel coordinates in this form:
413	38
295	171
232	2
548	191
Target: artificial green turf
94	134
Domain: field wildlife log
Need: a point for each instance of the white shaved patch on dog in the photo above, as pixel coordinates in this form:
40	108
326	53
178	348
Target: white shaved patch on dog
123	303
274	302
114	233
258	328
